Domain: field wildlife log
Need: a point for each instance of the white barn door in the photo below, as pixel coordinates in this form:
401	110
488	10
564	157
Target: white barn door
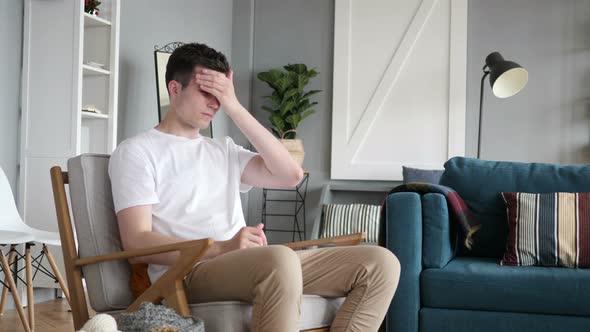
399	86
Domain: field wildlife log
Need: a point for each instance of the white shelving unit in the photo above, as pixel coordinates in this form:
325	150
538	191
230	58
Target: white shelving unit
70	59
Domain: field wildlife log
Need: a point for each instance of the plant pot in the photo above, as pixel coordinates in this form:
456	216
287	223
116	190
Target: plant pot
295	148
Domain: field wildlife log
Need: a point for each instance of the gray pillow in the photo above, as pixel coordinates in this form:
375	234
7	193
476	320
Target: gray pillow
421	175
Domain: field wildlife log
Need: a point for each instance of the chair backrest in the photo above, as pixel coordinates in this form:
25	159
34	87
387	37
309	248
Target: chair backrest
9	217
97	232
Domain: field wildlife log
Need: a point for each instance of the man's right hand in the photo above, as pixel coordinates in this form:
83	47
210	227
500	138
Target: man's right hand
248	237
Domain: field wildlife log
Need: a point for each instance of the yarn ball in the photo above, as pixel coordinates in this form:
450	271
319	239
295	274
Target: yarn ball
100	323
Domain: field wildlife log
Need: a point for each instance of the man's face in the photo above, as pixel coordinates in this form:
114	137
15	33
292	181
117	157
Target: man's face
193	106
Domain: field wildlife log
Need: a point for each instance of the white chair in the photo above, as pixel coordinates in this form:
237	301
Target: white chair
13	239
12	223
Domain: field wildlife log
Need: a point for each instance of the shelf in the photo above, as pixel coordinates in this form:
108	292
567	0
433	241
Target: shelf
93	71
88	115
93	21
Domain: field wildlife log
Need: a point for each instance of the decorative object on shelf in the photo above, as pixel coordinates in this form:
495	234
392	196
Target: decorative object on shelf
91	7
91	109
507	78
161	55
300	192
290	103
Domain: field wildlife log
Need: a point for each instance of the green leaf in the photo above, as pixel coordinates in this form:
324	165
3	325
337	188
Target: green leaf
274	98
278	122
290	93
310	93
306	114
312	73
271	77
298	68
294	119
307	106
287	107
302	81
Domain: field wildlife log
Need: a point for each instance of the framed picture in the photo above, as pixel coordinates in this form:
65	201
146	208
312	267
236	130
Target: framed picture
161	55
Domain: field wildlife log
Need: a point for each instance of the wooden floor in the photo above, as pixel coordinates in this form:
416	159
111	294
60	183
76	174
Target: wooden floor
51	316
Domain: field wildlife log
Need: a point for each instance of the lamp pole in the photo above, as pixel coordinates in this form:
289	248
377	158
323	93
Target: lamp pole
486	73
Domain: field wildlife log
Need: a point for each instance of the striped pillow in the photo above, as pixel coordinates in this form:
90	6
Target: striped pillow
548	229
344	219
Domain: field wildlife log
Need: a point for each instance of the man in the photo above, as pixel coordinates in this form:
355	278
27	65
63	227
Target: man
171	184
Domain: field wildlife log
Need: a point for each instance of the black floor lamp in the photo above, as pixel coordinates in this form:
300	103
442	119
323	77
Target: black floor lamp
507	78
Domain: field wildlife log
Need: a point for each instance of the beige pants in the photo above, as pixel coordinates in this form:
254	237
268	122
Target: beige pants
273	278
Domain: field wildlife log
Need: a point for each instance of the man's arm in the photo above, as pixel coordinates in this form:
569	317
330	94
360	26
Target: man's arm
135	228
274	167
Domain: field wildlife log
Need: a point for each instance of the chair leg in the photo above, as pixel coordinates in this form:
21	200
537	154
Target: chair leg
14	291
62	284
5	289
30	299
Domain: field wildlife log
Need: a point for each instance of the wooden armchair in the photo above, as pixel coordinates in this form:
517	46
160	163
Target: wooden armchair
99	259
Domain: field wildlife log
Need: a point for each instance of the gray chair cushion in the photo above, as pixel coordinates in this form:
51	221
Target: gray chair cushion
97	232
234	316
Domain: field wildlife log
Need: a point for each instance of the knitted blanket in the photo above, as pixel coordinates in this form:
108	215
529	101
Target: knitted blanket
457	208
157	318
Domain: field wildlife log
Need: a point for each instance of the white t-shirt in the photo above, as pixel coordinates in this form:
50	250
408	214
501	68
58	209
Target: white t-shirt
193	185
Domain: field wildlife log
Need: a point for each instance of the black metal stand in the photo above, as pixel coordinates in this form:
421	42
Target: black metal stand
300	192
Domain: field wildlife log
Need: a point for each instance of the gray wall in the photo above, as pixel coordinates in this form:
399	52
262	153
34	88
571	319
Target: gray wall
147	23
549	121
11	27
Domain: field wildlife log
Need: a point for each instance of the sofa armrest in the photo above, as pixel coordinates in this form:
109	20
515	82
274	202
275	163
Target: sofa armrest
403	236
439	244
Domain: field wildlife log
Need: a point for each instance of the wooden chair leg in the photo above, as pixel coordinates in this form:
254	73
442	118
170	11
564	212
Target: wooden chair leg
60	279
5	289
14	291
30	299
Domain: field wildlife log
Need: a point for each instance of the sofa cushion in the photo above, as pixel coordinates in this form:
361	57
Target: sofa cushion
343	219
550	229
482	284
480	182
410	174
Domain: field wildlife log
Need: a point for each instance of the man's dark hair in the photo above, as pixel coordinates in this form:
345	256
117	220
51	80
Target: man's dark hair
184	59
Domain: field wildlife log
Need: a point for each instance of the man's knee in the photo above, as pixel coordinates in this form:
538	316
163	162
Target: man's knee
381	263
282	266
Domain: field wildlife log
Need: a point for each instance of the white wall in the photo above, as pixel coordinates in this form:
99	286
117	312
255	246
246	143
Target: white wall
145	23
11	27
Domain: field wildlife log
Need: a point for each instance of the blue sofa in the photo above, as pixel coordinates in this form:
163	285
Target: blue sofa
444	287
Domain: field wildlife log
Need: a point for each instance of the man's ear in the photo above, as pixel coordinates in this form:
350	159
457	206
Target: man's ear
174	88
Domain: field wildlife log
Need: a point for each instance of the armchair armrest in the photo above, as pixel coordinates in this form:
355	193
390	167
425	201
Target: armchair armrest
343	240
170	285
440	242
126	254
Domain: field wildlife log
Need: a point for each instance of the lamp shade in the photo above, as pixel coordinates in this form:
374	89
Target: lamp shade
507	78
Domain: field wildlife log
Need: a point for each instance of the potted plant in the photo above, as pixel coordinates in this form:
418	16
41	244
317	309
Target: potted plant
289	104
91	6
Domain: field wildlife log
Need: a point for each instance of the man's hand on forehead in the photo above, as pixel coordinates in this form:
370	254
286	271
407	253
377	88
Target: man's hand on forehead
219	85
